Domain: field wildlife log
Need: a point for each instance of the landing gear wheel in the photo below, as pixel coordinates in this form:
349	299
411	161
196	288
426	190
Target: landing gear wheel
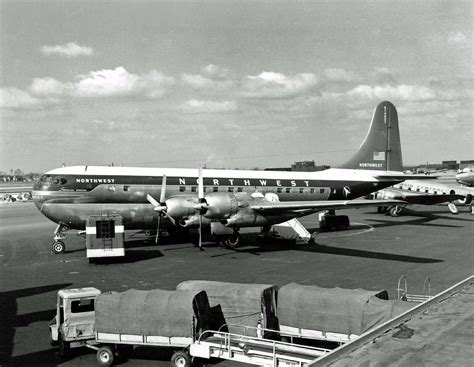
58	247
181	359
233	241
105	356
395	211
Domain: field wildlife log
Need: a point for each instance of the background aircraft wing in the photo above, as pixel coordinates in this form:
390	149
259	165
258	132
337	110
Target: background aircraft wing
313	206
422	198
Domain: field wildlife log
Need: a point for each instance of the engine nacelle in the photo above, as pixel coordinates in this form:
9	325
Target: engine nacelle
221	205
180	207
466	201
245	219
193	222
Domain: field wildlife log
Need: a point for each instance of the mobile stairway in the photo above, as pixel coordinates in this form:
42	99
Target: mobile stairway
253	350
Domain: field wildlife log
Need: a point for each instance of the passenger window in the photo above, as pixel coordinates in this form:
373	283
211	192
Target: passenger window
230	189
126	188
301	190
288	190
193	188
279	190
321	191
311	191
239	189
215	189
182	188
426	191
82	305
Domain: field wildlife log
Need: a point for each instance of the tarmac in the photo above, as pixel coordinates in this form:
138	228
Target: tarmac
372	254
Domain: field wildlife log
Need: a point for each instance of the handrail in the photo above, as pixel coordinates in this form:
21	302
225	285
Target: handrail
228	336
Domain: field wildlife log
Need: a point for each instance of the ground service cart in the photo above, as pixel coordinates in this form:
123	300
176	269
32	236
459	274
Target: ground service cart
104	236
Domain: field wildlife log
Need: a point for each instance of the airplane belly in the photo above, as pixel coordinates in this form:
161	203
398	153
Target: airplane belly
135	216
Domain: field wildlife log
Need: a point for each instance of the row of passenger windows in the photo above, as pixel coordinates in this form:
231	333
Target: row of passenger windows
426	190
240	189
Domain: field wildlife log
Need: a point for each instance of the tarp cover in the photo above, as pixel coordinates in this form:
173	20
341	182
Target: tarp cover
239	304
345	311
155	312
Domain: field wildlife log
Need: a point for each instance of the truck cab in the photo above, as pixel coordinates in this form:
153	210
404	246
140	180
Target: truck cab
74	320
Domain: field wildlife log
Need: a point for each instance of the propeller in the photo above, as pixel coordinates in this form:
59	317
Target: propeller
201	206
160	207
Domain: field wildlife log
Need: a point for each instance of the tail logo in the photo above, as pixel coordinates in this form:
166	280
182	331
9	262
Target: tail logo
379	156
346	191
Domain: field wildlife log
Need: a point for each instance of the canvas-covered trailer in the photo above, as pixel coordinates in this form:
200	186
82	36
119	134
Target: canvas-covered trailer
333	314
112	323
248	309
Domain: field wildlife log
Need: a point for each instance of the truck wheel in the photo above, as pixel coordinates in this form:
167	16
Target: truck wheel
105	356
181	359
63	348
58	247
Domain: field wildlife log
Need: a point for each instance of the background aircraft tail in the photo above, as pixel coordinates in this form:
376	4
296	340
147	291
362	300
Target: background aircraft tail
380	149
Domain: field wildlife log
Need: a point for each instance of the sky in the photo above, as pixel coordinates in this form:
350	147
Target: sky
232	84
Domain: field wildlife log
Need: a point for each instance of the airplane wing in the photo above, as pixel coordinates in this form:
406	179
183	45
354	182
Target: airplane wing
314	206
403	177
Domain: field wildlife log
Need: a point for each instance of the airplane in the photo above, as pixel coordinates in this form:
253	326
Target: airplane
219	199
466	176
425	192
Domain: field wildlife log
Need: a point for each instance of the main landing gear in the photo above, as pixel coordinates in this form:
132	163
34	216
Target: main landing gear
233	240
60	235
394	210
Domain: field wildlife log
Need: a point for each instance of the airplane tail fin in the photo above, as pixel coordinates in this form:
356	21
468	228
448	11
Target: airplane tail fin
381	148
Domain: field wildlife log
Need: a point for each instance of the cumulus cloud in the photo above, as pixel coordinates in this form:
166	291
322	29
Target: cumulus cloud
69	50
116	82
273	85
211	78
341	75
205	106
14	98
458	39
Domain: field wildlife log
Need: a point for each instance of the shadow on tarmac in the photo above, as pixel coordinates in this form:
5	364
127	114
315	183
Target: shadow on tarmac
9	319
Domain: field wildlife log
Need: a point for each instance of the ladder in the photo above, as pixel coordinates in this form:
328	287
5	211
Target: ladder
402	292
252	350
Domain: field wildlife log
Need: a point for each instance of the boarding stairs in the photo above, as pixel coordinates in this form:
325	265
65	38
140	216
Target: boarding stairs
293	230
402	291
253	350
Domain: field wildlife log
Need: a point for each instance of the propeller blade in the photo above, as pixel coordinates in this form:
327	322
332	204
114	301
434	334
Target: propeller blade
200	185
200	232
163	190
158	229
152	201
172	220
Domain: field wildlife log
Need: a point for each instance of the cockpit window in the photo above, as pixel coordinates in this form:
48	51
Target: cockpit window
48	180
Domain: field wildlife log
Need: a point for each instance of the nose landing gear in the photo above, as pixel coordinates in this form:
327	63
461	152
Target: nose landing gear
60	234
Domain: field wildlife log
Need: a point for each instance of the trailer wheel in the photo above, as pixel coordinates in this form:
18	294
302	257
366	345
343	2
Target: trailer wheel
181	359
105	356
58	247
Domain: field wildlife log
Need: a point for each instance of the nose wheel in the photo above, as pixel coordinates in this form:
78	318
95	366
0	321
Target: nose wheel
60	234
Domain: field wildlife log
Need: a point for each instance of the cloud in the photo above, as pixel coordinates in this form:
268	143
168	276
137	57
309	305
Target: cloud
273	85
14	98
458	39
399	92
116	82
341	75
204	106
212	78
69	50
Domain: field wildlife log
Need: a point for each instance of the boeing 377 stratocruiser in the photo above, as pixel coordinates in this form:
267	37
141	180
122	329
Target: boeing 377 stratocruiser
225	200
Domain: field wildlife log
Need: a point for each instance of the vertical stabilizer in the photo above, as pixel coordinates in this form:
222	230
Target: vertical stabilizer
381	148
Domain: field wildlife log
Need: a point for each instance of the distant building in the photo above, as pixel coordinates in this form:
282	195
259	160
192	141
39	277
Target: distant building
303	166
450	165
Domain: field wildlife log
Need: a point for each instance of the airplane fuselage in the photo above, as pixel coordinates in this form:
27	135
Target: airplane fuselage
71	194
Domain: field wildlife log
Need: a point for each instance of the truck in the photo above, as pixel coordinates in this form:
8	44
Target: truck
113	323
